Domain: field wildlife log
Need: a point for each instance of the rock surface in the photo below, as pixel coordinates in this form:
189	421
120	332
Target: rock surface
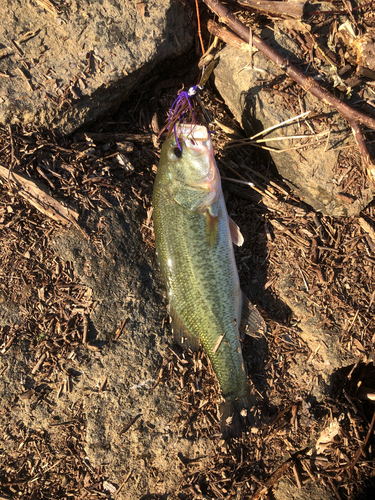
309	171
287	490
69	65
328	354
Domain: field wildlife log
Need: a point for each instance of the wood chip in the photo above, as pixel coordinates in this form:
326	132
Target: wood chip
46	4
39	363
217	345
37	197
367	228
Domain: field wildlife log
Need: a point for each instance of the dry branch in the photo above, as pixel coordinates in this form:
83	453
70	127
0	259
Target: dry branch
290	9
106	137
227	36
354	117
29	190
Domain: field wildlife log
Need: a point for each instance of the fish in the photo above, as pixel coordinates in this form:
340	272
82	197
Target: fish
194	239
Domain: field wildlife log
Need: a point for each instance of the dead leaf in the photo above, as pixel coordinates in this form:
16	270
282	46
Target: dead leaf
326	438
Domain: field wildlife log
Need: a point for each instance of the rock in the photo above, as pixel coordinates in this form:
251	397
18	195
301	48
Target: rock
68	66
129	424
9	312
328	355
286	490
310	172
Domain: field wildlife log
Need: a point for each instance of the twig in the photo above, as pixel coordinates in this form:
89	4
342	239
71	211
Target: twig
199	26
129	424
276	476
123	483
335	490
303	278
251	48
294	118
349	11
359	139
85	329
48	6
296	475
250	184
289	9
227	36
217	345
246	142
121	329
354	117
275	150
119	137
367	228
39	364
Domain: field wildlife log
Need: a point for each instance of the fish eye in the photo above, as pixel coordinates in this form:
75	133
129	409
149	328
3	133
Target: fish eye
177	152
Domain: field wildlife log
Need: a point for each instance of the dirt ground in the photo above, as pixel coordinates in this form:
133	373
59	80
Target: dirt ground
312	277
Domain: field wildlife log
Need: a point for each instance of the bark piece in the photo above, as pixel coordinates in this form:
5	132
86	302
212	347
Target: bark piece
39	199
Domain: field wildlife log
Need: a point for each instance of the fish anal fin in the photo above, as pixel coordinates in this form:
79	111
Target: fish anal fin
252	322
235	233
181	334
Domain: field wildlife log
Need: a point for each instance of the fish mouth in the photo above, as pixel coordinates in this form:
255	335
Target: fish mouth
198	141
197	132
196	138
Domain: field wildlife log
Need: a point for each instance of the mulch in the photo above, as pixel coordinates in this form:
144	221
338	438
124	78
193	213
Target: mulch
331	261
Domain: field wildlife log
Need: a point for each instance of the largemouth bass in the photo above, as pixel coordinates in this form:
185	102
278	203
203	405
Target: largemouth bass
193	237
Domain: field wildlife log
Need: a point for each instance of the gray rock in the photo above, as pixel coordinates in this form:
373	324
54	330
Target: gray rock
309	171
83	59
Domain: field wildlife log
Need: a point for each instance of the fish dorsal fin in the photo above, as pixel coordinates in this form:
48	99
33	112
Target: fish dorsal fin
181	334
252	322
235	233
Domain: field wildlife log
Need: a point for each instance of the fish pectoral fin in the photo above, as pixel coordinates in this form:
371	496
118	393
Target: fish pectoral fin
252	322
235	233
212	226
181	334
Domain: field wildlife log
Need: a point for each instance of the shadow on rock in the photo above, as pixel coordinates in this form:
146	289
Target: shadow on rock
252	262
111	261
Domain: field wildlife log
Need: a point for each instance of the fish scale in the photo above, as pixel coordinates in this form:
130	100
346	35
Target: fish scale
198	275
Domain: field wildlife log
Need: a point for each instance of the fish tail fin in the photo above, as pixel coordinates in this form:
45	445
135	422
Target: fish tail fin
236	414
